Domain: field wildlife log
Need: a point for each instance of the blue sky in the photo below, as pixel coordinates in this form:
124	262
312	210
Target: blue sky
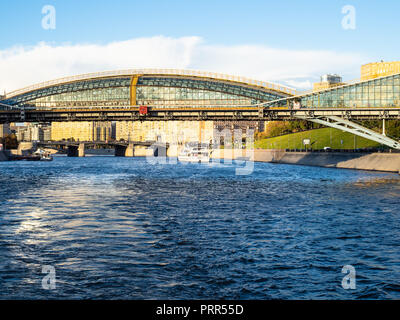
289	25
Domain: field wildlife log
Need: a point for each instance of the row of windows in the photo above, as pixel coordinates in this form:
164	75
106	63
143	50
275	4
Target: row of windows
351	103
376	93
70	88
146	95
108	94
371	96
210	86
359	90
169	94
242	102
66	104
148	88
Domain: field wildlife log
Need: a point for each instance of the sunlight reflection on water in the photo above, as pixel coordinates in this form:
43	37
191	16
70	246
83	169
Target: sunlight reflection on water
121	228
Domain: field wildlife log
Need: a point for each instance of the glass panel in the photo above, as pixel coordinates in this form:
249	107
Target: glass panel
169	96
97	97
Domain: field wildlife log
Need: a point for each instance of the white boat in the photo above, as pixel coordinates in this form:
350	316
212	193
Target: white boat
44	155
195	152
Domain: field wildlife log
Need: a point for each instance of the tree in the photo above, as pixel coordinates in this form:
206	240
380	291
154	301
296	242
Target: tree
9	141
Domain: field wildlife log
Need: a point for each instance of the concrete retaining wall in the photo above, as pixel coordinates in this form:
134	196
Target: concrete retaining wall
389	162
361	161
3	156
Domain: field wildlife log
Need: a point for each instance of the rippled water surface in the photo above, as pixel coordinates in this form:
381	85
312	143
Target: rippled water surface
121	228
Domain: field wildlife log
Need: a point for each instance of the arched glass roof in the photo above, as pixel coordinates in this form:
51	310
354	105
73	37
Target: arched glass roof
166	77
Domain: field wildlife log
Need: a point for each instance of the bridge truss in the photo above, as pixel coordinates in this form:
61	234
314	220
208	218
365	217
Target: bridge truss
354	128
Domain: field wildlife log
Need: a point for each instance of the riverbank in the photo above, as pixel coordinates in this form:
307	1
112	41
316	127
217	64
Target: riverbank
386	162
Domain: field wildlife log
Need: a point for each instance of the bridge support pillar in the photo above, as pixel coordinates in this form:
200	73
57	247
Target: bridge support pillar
130	150
160	150
120	151
72	151
81	150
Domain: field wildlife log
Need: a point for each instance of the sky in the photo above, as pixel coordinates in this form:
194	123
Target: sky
291	42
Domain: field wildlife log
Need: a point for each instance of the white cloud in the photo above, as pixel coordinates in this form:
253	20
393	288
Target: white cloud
22	66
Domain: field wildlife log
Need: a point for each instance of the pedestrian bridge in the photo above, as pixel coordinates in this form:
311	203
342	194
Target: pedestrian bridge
199	96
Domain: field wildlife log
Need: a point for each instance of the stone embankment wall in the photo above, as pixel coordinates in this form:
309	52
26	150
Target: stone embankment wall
389	162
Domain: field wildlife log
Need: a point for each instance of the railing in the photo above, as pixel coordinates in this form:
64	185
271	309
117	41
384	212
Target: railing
7	107
130	72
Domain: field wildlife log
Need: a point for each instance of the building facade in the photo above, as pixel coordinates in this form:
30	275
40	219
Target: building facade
328	81
4	130
379	69
32	132
82	131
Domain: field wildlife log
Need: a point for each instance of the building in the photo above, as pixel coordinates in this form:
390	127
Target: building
4	130
20	132
47	134
154	88
379	69
328	81
81	131
36	133
32	132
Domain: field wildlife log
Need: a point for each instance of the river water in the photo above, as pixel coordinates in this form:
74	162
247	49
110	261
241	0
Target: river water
123	228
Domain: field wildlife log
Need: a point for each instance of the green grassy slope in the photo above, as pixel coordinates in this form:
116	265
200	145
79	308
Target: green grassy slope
320	138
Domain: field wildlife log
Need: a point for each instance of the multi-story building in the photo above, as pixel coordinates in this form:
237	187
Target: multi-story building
37	133
379	69
328	81
32	132
81	131
165	131
47	134
20	133
4	130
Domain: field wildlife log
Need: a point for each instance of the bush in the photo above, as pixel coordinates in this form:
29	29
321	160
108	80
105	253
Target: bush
279	128
10	141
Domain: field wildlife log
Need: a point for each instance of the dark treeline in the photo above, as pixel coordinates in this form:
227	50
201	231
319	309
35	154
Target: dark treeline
9	142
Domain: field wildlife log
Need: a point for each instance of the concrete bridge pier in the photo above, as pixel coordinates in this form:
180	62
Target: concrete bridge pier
76	151
72	151
160	150
81	150
120	151
130	150
125	151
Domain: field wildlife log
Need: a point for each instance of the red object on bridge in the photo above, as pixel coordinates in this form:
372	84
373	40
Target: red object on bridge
143	110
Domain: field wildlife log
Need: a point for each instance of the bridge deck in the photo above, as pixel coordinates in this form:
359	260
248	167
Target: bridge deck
97	143
195	114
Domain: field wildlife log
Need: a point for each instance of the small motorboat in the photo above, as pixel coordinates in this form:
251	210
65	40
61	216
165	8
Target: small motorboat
195	152
44	155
